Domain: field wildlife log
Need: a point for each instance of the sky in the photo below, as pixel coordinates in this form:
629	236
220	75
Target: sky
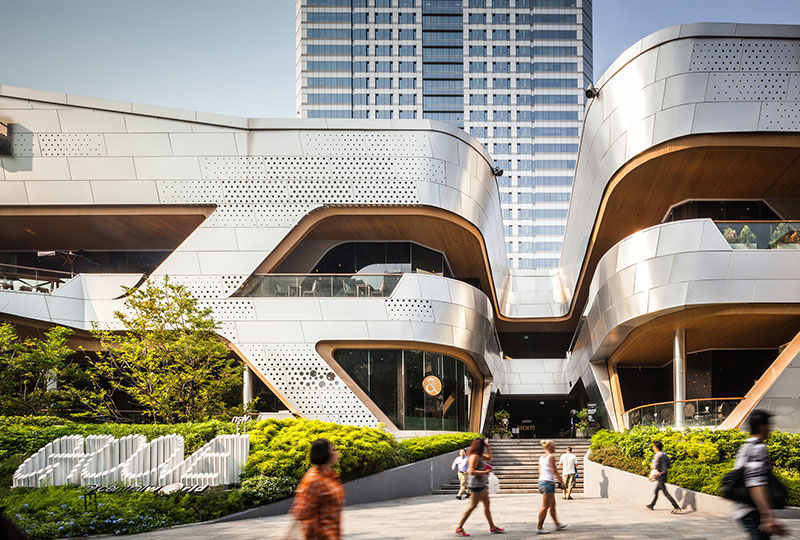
238	56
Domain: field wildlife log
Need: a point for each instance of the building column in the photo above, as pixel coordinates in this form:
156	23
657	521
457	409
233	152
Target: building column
679	374
247	388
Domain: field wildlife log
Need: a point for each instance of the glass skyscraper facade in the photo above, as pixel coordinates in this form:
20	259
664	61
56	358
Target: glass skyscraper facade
509	72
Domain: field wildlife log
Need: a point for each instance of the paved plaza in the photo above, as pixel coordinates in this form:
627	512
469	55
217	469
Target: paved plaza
435	516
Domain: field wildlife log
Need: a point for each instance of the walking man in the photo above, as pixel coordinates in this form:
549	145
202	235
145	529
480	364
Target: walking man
568	463
757	518
461	464
661	465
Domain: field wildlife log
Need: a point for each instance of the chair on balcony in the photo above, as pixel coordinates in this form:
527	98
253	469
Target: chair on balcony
348	289
279	290
383	290
313	290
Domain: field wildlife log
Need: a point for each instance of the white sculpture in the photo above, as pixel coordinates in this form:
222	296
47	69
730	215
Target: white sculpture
104	460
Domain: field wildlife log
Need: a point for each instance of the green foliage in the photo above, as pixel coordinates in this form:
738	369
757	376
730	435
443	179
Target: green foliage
699	457
260	490
613	457
583	420
169	359
58	512
29	366
419	448
22	436
362	451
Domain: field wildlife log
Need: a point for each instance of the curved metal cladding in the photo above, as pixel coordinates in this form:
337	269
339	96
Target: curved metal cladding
262	177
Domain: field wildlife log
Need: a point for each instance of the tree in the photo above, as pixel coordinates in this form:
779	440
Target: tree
30	369
168	358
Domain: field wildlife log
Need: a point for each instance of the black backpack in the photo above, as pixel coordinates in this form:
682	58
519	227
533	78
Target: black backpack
732	487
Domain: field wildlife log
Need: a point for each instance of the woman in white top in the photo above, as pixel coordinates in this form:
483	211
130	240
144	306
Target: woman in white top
547	486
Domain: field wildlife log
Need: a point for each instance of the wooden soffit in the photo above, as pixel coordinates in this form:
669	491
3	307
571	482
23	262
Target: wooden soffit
728	326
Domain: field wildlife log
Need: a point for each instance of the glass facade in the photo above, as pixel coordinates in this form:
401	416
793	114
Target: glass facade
510	72
399	382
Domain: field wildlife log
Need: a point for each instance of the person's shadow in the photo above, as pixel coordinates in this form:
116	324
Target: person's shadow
686	499
603	485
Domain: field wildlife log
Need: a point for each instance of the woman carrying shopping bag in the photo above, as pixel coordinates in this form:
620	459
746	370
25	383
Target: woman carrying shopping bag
478	475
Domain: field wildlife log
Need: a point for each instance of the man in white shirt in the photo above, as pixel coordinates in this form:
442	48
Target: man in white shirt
568	463
461	464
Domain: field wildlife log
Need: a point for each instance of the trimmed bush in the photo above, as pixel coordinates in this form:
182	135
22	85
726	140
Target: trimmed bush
419	448
700	458
260	490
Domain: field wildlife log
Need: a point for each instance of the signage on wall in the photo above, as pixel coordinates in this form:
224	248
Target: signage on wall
432	385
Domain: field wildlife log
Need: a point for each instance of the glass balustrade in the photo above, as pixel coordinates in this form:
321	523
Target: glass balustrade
320	285
14	277
696	412
761	234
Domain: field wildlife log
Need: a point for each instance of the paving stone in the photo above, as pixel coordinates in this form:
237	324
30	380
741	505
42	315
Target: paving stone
435	517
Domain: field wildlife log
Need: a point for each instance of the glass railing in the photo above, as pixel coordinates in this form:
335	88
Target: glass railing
29	279
696	413
761	234
320	285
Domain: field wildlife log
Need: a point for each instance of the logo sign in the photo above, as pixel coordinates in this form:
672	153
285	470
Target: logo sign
432	385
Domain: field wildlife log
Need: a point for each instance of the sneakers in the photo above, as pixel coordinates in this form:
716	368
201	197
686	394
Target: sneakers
458	497
496	530
569	498
542	531
460	532
561	527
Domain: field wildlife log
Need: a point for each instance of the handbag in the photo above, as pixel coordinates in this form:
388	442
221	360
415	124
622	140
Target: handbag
732	487
494	483
653	476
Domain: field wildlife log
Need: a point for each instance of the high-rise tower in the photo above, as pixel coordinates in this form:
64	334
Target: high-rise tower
510	72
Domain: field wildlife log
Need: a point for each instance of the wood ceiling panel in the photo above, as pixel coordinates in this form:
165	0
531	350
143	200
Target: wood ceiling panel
98	228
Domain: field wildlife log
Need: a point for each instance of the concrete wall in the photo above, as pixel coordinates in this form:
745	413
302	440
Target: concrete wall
411	480
610	483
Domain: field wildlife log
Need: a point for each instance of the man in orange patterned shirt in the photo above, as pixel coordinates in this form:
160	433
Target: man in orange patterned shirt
319	499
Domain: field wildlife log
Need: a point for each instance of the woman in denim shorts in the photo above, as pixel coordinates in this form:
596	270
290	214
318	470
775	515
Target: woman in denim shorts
547	486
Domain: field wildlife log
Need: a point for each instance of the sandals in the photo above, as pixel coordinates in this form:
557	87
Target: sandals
460	532
675	511
496	530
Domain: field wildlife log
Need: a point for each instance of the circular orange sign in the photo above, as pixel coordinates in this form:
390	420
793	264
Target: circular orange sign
432	385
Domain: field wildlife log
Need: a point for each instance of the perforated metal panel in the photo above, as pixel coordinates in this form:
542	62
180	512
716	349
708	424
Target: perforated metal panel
780	116
398	144
190	191
326	143
232	215
285	215
72	144
292	168
231	309
423	169
320	191
382	192
778	55
255	191
306	380
716	55
227	329
207	287
747	86
409	309
24	145
222	168
370	143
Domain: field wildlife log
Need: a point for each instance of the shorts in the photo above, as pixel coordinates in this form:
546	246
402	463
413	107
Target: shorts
569	481
477	489
546	487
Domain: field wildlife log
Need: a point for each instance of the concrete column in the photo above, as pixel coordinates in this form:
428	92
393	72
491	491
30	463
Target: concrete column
247	388
679	374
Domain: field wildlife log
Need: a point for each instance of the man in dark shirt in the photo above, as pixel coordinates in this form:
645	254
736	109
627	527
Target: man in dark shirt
757	518
661	465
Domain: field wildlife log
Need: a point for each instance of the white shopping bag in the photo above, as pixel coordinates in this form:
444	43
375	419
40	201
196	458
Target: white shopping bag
494	484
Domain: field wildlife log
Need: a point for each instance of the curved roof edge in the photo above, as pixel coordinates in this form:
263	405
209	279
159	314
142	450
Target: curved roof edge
240	122
698	29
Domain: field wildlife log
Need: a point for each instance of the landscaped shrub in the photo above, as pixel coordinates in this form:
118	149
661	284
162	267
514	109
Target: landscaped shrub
425	447
699	457
362	451
260	490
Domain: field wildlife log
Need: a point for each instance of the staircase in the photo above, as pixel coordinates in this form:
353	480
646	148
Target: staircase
516	464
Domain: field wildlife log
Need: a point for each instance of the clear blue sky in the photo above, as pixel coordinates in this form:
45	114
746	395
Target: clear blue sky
238	56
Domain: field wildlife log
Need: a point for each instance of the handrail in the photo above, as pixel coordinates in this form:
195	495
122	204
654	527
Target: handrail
681	401
37	269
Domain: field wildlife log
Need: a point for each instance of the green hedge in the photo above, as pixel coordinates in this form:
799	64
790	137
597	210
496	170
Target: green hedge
278	459
700	458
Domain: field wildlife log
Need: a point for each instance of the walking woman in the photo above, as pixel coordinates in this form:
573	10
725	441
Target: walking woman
478	474
547	486
319	499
